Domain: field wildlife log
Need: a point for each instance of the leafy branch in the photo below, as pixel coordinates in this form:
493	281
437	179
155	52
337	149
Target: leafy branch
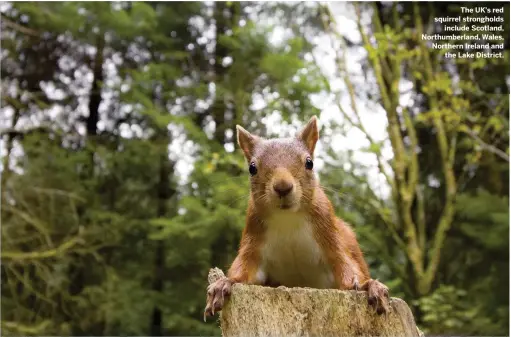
44	254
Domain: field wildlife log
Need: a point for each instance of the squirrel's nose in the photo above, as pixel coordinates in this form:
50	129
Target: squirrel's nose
283	188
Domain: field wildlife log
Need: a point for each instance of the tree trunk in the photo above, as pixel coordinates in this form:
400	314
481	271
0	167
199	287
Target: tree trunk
225	16
262	311
165	192
80	270
159	265
95	93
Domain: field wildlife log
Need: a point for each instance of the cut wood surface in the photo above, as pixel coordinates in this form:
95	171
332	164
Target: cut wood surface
262	311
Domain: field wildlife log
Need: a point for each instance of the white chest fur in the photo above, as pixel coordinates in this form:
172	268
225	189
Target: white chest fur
291	256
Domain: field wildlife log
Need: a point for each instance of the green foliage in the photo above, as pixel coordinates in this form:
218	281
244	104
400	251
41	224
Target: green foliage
490	210
449	310
447	178
444	311
114	237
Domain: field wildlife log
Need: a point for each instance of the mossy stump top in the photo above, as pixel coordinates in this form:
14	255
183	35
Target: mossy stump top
258	311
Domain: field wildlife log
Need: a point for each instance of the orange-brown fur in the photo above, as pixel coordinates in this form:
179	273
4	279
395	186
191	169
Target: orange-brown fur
336	238
282	162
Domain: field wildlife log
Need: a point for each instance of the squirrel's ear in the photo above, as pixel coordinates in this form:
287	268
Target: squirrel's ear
310	134
246	141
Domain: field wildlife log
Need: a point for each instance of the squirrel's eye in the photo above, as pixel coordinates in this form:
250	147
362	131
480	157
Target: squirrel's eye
252	169
309	164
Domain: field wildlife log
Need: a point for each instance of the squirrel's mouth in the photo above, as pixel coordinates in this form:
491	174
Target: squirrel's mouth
287	205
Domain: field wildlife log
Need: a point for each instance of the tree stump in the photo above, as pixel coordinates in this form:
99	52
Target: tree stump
258	311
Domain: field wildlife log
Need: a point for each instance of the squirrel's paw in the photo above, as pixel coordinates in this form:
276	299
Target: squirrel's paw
378	296
215	296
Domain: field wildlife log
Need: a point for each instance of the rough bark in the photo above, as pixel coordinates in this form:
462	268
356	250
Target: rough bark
262	311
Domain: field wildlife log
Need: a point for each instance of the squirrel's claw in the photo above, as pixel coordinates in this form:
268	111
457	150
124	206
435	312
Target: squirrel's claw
356	285
378	296
216	295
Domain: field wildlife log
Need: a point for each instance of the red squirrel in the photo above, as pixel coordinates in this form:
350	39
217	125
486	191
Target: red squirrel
292	236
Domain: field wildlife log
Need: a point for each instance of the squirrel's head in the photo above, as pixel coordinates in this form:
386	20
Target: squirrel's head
281	170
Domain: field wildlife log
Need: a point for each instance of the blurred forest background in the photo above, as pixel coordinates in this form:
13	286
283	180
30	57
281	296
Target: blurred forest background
122	184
